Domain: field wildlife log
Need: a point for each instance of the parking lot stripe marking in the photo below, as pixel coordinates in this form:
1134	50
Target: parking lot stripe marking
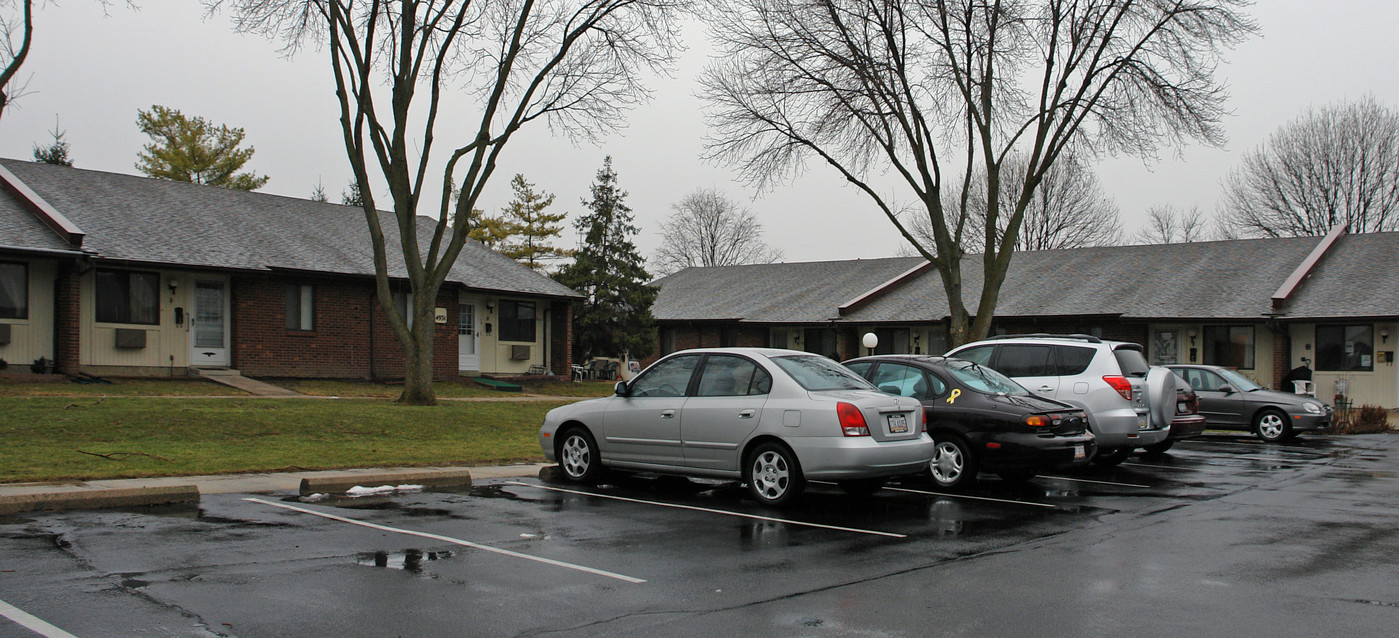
31	623
712	511
1079	480
975	498
449	539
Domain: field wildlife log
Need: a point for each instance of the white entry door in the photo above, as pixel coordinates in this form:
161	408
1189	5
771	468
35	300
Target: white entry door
468	334
209	329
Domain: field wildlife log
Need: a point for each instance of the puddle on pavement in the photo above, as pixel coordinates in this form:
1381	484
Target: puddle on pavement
409	560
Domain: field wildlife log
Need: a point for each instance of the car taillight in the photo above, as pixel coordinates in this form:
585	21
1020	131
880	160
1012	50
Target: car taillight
1121	384
925	419
1037	421
852	422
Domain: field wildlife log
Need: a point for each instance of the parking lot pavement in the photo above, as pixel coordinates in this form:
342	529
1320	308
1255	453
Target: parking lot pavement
1222	536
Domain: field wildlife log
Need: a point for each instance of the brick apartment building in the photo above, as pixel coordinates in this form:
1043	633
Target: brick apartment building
119	275
1261	306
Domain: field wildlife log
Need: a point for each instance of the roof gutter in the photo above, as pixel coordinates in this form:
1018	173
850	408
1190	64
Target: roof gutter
45	211
1294	281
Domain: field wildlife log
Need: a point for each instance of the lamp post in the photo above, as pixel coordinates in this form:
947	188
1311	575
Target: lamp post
870	341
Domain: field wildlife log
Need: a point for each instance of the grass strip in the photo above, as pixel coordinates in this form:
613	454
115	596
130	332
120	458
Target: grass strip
91	438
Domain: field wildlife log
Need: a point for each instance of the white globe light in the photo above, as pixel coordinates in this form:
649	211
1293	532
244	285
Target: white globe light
871	340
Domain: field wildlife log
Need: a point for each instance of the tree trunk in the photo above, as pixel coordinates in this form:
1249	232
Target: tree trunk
417	359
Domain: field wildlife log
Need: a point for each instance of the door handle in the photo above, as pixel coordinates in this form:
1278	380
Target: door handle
668	414
746	414
1045	388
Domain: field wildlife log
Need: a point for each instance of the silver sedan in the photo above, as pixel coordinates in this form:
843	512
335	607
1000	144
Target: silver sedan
770	418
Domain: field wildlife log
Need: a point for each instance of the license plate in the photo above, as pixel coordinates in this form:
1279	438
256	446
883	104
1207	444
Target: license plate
1079	453
1141	422
898	424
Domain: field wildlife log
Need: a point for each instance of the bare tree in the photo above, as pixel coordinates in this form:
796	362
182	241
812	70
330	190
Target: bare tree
1334	165
16	21
576	65
933	92
709	229
1168	225
1067	210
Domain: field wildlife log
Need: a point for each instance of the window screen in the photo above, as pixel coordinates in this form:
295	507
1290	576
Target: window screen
1345	348
128	297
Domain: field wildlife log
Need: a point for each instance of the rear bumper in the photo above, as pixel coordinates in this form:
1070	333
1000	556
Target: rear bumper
841	458
1187	426
1033	451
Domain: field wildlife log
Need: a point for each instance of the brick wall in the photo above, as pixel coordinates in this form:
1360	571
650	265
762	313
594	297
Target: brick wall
351	338
67	319
1282	358
561	338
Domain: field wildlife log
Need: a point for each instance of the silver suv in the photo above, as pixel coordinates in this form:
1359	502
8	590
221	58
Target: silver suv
1110	380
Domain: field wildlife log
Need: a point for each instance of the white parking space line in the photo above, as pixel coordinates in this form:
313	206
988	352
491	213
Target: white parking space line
448	539
711	511
31	623
1079	480
975	498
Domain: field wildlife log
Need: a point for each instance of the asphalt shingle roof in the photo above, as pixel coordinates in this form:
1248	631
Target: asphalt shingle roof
20	229
1203	280
141	219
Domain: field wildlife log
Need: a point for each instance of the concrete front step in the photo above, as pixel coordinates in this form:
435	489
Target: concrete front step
233	379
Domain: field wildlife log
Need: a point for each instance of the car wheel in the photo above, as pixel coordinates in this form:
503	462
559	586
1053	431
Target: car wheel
578	456
862	487
952	465
1158	449
773	475
1271	426
1110	457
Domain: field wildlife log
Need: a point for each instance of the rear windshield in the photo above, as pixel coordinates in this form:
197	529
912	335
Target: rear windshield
819	373
1131	361
981	378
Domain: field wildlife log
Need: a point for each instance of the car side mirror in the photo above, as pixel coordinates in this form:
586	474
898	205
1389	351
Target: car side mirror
1226	389
620	389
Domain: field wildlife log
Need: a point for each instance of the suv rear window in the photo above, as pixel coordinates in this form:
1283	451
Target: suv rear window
1131	361
1072	360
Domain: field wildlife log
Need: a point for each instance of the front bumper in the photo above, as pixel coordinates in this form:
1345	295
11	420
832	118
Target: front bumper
1308	422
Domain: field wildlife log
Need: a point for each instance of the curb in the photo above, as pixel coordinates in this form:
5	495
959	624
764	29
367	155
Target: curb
91	499
337	484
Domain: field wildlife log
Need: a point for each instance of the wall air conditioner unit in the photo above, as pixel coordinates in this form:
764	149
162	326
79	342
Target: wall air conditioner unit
519	353
129	339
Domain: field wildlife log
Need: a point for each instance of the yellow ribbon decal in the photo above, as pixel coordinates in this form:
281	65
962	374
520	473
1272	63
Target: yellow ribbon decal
955	393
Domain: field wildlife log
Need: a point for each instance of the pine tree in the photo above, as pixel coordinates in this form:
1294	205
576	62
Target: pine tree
56	153
194	149
526	220
614	317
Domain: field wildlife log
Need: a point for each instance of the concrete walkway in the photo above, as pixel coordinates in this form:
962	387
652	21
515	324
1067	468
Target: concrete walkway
234	379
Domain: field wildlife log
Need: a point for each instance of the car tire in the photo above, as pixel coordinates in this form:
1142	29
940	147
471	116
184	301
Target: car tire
1154	451
952	466
1112	457
773	475
862	487
578	456
1271	426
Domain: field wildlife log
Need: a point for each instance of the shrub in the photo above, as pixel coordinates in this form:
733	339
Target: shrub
1368	419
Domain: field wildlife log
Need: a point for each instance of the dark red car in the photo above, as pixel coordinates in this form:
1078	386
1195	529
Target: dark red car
1187	423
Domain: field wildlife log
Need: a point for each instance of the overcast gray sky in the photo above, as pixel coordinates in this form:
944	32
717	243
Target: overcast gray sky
94	71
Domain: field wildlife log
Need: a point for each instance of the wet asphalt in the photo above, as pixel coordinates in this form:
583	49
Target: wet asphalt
1225	536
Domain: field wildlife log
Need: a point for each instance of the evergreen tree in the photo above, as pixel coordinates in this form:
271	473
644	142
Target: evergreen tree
615	315
351	195
193	149
524	218
491	231
56	153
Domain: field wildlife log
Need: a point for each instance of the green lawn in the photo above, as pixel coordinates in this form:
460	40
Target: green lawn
50	438
456	389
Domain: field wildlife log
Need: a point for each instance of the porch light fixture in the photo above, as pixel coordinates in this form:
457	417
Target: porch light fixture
1384	335
173	284
1192	337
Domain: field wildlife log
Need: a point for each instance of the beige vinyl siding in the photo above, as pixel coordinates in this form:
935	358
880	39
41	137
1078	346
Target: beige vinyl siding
495	353
32	337
1379	386
167	344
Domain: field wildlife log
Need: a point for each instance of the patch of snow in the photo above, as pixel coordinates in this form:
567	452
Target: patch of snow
382	489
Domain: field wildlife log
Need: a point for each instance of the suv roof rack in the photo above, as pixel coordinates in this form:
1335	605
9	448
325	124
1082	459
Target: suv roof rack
1043	335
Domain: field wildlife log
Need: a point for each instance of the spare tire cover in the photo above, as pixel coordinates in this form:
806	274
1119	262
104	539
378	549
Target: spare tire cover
1161	395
